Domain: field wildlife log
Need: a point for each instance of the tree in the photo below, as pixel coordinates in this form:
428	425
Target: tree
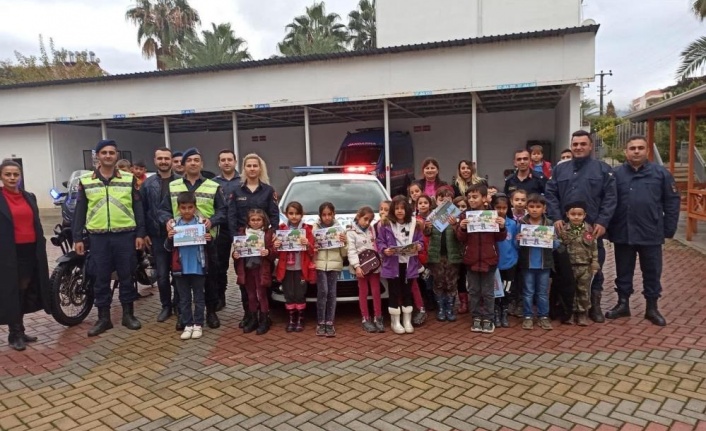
699	9
162	25
315	32
693	57
362	26
610	110
589	108
51	65
216	46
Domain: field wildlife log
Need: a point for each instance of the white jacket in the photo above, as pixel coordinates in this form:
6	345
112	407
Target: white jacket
357	242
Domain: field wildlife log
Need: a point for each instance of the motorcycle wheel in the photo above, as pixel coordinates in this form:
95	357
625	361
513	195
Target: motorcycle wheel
71	294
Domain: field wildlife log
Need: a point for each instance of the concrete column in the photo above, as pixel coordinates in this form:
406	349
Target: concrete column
167	142
388	166
104	130
307	136
236	148
474	129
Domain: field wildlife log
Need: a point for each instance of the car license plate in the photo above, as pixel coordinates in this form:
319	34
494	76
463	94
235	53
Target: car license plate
345	275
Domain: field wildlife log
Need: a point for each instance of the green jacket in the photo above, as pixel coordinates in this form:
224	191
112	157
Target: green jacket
454	251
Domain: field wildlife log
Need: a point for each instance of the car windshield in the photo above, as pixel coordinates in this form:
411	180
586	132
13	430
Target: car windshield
359	156
347	196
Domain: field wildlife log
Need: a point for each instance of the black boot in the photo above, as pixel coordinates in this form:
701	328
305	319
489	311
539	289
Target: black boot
221	300
652	313
621	309
27	338
102	324
129	319
250	320
292	321
15	338
503	318
263	323
595	313
164	314
212	319
496	316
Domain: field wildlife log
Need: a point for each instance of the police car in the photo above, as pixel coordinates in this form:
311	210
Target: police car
347	192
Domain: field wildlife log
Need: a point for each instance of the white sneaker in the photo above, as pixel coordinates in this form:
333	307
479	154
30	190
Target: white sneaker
188	331
198	331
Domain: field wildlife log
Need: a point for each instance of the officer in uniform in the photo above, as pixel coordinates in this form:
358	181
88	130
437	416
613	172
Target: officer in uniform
211	207
647	213
229	179
582	249
586	179
110	210
524	178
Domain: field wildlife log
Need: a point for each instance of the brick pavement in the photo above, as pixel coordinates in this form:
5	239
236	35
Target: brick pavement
622	375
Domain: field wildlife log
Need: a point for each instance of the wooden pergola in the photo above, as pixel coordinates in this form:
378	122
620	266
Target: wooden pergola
687	106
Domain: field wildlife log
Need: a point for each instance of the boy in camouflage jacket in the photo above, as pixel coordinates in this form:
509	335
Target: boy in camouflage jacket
582	248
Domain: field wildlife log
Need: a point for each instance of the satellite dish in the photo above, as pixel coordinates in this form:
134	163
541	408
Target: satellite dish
589	22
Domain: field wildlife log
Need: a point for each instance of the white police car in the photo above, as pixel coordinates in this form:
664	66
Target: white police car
347	193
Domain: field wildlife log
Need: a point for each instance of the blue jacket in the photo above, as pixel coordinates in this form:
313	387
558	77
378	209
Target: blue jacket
150	191
585	179
508	250
228	187
648	205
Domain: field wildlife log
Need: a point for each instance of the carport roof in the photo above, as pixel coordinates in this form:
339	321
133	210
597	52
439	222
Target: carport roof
275	61
544	97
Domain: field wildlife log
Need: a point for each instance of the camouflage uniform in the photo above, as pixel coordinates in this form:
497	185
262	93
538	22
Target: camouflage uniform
583	252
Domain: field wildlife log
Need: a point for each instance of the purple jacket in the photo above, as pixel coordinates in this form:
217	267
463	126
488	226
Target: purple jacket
391	264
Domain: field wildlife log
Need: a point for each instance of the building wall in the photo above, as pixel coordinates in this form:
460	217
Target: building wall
567	116
31	144
406	22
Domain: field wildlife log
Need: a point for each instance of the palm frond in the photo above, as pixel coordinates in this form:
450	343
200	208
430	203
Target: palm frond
693	57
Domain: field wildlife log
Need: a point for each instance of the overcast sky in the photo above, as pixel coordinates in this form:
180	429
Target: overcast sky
639	40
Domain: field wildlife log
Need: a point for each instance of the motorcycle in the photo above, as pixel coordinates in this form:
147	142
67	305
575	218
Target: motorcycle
71	281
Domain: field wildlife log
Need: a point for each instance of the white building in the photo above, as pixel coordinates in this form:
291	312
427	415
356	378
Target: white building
485	76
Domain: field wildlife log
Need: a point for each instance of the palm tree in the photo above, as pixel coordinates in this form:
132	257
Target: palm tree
315	32
693	56
699	9
217	46
362	26
162	25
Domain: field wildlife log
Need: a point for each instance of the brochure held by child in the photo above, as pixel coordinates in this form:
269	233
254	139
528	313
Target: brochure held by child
405	250
439	218
291	239
534	235
249	245
192	234
482	221
329	237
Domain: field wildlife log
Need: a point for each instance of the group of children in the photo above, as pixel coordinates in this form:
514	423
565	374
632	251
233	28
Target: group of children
415	258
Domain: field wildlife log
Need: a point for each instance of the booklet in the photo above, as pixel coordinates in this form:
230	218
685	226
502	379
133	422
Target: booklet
249	245
192	234
534	235
439	218
290	239
329	237
405	250
482	221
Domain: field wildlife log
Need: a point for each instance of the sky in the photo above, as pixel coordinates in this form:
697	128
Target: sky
639	40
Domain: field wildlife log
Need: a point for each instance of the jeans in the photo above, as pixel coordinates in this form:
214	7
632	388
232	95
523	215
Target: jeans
188	284
597	283
326	296
536	285
481	289
400	289
113	252
162	262
650	265
211	287
374	280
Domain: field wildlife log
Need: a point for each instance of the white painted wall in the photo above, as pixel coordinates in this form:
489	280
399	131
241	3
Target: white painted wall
408	22
70	141
567	119
548	61
31	144
501	133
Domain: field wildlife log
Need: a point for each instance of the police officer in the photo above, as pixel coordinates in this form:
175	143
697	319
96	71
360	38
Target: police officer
229	179
524	178
110	210
586	179
177	167
647	213
152	193
211	206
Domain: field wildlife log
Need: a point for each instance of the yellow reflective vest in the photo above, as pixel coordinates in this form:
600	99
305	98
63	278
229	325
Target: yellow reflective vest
205	198
109	207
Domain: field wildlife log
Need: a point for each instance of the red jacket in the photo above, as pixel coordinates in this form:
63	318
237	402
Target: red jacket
266	263
308	266
547	169
480	250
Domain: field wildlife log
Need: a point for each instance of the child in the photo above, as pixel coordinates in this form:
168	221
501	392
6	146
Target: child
445	256
414	191
519	204
329	264
492	190
400	229
295	266
124	165
582	247
139	170
536	264
189	267
424	206
383	212
507	261
421	287
481	260
462	205
361	236
540	165
255	273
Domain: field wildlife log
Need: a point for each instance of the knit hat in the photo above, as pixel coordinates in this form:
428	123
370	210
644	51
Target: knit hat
188	153
105	143
575	204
